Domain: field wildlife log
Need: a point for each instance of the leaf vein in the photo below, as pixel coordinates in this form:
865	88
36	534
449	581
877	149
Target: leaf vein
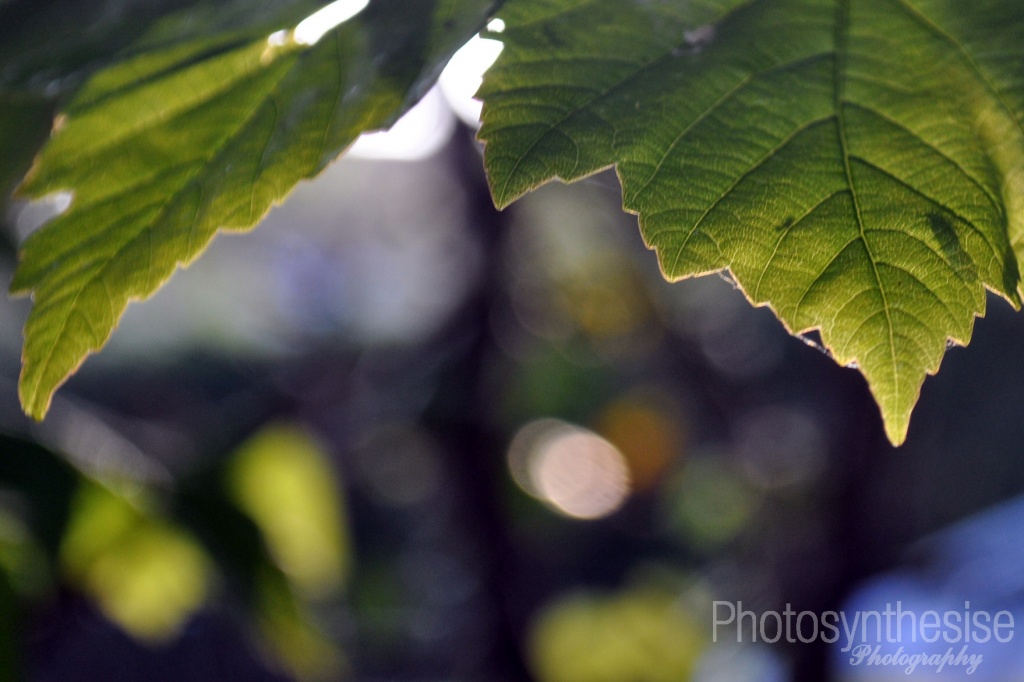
743	176
841	31
785	233
895	178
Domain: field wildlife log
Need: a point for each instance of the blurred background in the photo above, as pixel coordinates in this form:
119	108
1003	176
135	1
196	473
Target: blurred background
394	434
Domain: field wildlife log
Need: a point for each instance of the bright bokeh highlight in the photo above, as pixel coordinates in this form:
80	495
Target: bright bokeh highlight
575	471
418	135
462	77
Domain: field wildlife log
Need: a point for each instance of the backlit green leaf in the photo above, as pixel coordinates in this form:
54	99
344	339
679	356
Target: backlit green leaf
857	165
50	46
163	150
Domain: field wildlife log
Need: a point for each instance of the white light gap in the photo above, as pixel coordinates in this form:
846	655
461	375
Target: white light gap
312	28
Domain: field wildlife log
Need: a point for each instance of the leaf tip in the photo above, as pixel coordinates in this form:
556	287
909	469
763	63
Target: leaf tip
501	202
34	403
896	414
502	194
896	430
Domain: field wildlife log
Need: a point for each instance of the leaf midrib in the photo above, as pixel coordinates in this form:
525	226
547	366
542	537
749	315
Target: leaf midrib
842	30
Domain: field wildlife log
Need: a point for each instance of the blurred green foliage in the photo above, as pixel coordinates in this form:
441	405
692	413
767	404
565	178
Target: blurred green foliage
145	573
136	550
644	633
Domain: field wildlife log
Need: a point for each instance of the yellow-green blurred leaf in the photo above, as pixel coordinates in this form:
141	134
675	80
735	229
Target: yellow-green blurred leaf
640	634
286	625
283	480
145	574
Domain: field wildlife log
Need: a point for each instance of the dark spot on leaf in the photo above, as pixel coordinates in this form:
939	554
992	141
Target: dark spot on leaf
949	243
942	228
786	223
552	37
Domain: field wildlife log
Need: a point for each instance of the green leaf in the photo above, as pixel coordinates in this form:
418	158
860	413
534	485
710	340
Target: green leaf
857	166
163	150
50	46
